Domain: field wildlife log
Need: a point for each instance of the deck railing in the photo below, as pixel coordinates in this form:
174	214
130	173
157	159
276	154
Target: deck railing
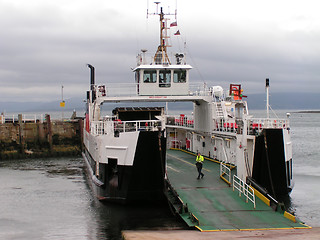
254	125
182	121
260	123
101	127
224	125
107	127
244	189
225	171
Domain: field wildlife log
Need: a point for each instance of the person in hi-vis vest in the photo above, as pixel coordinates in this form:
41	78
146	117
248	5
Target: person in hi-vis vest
199	162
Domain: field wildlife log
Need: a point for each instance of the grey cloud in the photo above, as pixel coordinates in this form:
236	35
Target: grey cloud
46	45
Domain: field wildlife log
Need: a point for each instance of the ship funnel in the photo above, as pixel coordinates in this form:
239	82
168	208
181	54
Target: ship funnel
92	82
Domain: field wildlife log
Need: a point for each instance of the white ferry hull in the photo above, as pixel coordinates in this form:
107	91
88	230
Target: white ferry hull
129	170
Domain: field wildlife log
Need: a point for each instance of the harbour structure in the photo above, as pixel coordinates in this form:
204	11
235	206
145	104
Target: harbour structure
38	135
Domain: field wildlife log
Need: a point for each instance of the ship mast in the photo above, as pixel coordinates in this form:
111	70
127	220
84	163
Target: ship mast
267	100
161	56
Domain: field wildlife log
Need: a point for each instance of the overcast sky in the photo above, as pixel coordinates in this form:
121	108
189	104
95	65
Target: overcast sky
47	43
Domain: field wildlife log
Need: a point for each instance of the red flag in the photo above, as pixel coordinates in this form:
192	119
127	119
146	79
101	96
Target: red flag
174	24
177	33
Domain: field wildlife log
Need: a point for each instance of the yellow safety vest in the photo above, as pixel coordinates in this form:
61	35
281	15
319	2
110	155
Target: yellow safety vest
200	159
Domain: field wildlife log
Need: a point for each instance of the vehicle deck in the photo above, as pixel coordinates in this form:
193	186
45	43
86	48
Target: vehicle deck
213	204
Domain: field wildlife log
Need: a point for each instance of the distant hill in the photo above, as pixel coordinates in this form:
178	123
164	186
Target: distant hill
307	101
285	101
70	104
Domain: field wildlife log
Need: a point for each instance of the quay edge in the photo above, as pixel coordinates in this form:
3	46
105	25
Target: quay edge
292	234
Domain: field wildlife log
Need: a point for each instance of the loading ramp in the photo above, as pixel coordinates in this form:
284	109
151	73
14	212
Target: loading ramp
209	204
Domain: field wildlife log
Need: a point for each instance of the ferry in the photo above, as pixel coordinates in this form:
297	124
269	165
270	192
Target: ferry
125	153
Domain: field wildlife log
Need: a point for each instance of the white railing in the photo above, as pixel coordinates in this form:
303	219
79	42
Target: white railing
200	89
98	128
107	127
254	125
223	125
244	189
116	90
32	117
259	123
182	121
25	118
225	171
147	58
132	126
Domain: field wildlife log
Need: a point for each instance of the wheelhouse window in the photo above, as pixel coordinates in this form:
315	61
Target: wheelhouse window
179	76
165	78
149	76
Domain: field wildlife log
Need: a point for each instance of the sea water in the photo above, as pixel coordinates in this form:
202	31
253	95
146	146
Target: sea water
50	198
305	197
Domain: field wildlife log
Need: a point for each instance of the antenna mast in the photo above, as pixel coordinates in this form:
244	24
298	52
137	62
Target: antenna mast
161	56
267	100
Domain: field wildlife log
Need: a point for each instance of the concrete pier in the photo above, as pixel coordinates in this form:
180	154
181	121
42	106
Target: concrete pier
283	234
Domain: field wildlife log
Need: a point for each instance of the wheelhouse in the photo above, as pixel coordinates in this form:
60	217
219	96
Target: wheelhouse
160	80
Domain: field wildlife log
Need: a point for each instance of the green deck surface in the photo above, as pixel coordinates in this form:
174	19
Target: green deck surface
214	203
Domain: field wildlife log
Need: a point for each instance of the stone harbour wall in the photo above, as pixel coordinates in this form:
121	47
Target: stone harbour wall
41	139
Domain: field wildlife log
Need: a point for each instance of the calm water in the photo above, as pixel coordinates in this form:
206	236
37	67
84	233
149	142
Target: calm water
306	153
50	199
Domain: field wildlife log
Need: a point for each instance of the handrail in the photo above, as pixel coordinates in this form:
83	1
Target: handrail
108	126
25	118
254	125
268	123
31	117
182	121
224	170
244	188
